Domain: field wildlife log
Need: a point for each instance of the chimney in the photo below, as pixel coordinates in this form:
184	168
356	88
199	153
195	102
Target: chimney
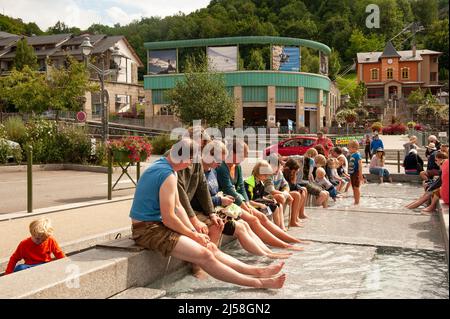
414	49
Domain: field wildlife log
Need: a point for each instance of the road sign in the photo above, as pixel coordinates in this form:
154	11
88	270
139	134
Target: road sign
81	116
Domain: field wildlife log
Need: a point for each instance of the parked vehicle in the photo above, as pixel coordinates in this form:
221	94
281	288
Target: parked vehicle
292	146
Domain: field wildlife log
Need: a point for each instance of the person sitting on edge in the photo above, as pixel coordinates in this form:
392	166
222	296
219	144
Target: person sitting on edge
192	187
432	139
229	176
322	180
305	177
432	189
377	166
37	249
429	149
355	169
279	188
376	143
333	175
433	168
412	144
413	163
214	153
254	186
159	222
319	161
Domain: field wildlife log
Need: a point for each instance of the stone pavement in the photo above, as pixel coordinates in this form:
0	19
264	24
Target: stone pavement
355	252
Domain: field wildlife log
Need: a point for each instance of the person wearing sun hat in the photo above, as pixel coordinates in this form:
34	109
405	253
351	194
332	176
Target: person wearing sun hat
377	165
433	168
430	148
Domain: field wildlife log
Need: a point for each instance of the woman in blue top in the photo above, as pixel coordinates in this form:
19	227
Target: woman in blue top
231	182
216	153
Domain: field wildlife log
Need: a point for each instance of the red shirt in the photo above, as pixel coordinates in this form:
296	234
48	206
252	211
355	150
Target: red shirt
444	177
34	254
326	143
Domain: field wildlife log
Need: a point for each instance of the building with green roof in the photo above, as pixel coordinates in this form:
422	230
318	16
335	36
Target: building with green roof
263	97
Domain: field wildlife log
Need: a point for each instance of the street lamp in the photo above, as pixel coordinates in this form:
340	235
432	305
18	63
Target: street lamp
86	49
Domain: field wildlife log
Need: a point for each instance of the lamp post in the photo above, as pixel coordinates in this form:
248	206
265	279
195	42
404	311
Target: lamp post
86	49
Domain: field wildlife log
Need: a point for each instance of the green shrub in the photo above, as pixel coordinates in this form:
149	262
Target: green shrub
6	152
161	144
74	144
100	157
3	131
16	130
411	124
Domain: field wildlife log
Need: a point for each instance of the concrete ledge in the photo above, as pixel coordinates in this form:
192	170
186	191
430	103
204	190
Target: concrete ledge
96	273
397	178
443	218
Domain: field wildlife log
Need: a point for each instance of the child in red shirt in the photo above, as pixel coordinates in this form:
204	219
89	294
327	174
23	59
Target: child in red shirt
36	249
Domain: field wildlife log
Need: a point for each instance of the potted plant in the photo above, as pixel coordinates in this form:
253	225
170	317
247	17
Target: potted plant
130	149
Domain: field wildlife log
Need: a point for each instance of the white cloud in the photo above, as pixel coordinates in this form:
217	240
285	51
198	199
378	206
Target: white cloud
117	15
82	14
46	13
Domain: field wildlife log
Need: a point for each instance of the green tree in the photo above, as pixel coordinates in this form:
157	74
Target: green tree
357	95
256	61
25	56
26	89
426	11
67	86
437	39
334	64
361	43
202	96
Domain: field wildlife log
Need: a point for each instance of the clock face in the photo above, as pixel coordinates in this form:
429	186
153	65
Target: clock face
389	61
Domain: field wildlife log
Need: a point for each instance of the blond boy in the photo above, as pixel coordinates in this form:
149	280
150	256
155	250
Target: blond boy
355	169
36	249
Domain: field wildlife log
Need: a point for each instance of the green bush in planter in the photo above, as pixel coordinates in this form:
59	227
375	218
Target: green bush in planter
161	144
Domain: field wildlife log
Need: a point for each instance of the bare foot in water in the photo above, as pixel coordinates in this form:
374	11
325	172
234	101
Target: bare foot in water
427	211
274	283
295	224
296	248
199	273
271	270
278	255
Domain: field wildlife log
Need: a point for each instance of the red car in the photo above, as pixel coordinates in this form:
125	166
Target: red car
292	146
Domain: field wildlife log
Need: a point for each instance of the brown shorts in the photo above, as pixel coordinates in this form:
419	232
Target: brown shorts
354	179
229	224
155	236
432	172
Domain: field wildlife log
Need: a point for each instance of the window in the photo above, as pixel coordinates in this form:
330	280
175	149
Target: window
435	59
375	93
389	74
433	76
374	74
405	73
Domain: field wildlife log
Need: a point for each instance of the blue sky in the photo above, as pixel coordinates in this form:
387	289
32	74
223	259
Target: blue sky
83	13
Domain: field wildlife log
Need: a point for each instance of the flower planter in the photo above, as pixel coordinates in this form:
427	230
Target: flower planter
123	157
